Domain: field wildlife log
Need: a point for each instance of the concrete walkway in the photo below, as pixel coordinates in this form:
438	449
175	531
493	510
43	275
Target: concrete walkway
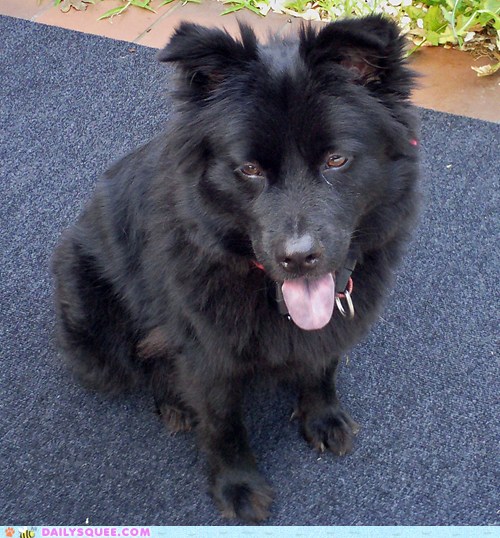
448	83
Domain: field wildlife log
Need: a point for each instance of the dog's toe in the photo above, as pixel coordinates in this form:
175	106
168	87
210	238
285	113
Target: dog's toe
330	429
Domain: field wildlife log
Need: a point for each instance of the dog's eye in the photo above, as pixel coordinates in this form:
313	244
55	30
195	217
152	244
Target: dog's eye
336	161
251	169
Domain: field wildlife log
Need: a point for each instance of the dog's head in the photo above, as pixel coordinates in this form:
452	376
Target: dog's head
301	150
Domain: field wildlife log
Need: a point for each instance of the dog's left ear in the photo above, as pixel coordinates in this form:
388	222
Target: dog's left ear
372	49
207	56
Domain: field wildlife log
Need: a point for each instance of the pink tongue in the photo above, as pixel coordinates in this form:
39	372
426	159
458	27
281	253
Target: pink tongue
310	302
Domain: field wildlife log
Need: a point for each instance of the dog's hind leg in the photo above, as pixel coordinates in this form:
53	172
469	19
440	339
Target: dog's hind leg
324	424
94	328
154	350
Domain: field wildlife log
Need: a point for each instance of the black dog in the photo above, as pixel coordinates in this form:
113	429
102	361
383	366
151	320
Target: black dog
227	246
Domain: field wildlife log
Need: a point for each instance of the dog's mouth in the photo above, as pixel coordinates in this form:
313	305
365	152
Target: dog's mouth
310	302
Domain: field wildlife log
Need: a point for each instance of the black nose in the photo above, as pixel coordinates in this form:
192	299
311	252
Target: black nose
299	254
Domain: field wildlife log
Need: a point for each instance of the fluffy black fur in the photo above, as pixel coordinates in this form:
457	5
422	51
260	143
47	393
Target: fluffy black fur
156	282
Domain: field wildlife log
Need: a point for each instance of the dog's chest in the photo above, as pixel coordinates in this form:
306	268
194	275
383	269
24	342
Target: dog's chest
275	342
248	320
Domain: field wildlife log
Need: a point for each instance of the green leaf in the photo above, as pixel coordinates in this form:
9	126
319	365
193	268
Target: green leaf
143	4
414	12
300	5
490	5
434	20
447	37
447	16
463	23
114	11
165	2
232	9
484	17
432	38
254	9
434	2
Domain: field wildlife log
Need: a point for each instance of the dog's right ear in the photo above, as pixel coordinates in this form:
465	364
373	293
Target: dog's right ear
207	56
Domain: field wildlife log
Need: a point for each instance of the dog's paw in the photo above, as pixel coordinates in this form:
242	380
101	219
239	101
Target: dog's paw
242	494
177	419
329	428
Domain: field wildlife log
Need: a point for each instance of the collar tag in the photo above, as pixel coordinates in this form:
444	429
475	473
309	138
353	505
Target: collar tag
346	296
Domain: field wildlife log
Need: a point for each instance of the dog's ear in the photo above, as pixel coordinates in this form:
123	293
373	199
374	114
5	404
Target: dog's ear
207	56
372	49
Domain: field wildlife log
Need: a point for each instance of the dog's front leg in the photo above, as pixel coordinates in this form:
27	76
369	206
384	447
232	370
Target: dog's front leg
236	485
324	424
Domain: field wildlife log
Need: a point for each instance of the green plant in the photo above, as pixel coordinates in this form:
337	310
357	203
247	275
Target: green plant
144	4
472	25
236	5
